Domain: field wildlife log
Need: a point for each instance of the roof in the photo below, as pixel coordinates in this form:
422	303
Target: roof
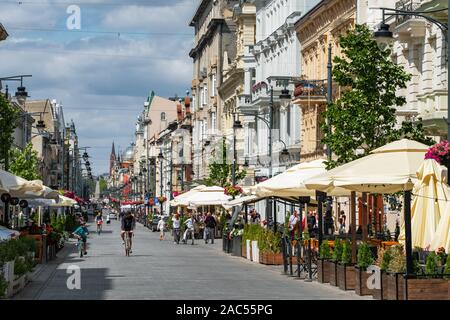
201	7
3	33
308	14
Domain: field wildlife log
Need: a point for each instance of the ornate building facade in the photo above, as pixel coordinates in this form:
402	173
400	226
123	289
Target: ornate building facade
214	47
316	30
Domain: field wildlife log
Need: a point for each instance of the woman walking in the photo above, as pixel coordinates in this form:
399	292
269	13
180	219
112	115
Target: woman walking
176	228
161	226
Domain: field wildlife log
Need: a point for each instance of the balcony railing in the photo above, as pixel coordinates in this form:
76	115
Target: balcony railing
308	88
406	5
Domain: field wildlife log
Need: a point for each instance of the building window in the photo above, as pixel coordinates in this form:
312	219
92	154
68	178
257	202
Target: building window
163	116
213	85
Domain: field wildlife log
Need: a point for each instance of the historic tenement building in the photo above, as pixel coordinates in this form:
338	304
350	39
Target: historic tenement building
316	30
214	48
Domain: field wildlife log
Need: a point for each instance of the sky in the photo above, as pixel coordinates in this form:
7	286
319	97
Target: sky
103	72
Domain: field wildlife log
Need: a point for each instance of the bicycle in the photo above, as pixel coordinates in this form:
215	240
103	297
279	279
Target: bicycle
99	227
80	246
127	238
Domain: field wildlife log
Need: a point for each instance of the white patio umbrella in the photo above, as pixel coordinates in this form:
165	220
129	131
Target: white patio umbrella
388	169
182	199
209	196
442	234
64	202
18	186
290	183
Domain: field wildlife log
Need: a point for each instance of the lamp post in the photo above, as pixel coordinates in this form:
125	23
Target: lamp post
384	38
160	158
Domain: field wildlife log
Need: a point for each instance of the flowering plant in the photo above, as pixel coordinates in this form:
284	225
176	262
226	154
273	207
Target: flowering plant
233	190
439	152
162	199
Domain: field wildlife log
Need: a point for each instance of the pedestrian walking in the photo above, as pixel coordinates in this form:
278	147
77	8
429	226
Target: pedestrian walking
210	226
176	228
161	226
189	229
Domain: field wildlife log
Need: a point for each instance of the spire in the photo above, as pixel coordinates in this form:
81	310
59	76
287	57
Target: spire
113	151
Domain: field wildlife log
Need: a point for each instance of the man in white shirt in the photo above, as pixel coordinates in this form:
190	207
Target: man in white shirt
189	229
293	219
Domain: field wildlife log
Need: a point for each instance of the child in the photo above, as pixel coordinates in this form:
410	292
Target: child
161	226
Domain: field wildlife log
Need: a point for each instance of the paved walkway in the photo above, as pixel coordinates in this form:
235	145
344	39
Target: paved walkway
164	270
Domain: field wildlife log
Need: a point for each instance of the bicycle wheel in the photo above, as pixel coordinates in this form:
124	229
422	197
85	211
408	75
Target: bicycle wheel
127	244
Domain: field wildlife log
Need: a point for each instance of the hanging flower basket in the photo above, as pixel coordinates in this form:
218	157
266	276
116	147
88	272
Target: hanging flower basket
233	191
439	152
162	199
151	202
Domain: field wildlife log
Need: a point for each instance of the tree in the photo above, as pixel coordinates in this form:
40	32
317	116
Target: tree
364	116
25	163
8	119
103	185
220	172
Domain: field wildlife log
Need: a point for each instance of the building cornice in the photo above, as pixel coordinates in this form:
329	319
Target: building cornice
212	25
200	9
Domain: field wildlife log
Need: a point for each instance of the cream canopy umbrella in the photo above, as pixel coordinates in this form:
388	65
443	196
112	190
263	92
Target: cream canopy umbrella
18	186
430	200
182	199
209	196
388	169
290	183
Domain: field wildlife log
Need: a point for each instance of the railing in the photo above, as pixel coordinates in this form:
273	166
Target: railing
406	5
305	88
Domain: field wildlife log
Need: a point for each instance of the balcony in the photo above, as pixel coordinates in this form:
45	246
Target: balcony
408	27
310	91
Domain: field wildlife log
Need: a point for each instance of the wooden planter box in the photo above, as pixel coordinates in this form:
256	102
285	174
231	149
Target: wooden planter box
346	276
361	277
332	268
394	281
271	258
381	293
323	271
422	288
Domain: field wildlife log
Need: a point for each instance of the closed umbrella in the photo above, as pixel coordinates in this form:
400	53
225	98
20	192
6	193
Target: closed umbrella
442	234
430	200
18	186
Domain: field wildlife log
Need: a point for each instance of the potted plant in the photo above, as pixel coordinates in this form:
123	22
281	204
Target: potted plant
236	236
269	244
335	258
396	267
346	269
384	256
432	284
162	199
364	260
233	191
323	267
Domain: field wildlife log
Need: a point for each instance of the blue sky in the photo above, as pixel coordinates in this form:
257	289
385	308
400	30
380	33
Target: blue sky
102	73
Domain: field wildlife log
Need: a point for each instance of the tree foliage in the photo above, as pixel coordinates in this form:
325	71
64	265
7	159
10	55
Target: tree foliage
8	119
364	118
220	172
25	163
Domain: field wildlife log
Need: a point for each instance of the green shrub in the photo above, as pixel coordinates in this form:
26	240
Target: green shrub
3	285
70	223
325	251
29	243
20	267
397	263
365	257
431	264
268	241
447	265
384	258
346	252
337	251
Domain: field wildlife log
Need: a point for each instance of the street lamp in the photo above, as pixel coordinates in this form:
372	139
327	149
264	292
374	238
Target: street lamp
384	38
161	158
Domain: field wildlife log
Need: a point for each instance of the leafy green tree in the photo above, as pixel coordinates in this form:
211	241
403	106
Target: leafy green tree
8	119
25	163
103	185
364	116
220	172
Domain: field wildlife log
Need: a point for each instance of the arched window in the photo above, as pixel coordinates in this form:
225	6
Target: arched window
163	116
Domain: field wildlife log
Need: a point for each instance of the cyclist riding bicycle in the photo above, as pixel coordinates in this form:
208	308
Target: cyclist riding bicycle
128	224
81	233
99	220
